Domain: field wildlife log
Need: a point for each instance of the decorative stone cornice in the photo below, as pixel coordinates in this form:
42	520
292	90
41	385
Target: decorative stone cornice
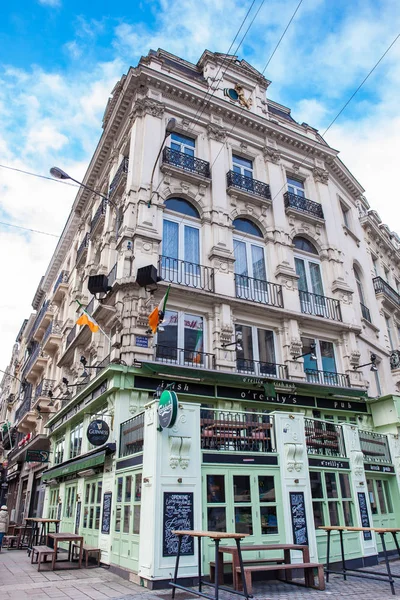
147	106
216	132
272	155
320	175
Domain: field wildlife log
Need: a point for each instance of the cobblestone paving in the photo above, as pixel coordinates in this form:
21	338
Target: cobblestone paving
19	580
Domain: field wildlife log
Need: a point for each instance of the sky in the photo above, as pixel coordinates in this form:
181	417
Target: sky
60	59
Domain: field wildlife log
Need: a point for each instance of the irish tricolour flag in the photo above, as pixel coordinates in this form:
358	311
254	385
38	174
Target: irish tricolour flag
157	315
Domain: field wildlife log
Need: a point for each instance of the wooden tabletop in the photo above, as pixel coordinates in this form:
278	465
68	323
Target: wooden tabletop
215	535
65	536
231	549
42	520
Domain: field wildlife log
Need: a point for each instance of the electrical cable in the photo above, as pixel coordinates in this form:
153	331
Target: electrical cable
38	175
27	229
282	36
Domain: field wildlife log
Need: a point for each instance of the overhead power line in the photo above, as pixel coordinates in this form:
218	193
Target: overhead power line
282	36
27	229
37	175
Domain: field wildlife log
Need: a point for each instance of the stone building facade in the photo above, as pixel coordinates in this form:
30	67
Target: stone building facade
284	293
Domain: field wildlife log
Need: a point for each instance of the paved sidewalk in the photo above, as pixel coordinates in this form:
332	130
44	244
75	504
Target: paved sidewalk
19	580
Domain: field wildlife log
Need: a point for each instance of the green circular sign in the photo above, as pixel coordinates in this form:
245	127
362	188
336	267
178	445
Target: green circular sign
167	409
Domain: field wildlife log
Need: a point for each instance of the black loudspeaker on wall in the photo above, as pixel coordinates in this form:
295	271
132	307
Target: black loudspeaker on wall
98	284
147	277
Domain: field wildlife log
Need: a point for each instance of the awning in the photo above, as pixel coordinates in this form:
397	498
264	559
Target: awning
80	464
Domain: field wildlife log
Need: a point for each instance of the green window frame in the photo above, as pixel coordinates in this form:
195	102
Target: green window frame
53	503
92	505
380	497
75	438
332	498
128	504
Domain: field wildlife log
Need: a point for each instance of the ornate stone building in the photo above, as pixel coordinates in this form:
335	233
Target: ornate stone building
280	335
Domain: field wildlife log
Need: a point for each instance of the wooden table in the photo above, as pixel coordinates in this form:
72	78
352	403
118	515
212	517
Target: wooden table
216	537
37	524
381	531
235	558
66	537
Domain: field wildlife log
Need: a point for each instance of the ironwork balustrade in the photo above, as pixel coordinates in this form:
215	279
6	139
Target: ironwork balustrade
71	336
39	318
261	369
382	287
327	378
186	273
320	306
365	312
100	212
186	162
44	387
62	278
375	447
248	184
32	359
90	307
324	438
180	356
23	409
236	431
54	327
83	246
112	276
121	172
303	204
132	436
258	290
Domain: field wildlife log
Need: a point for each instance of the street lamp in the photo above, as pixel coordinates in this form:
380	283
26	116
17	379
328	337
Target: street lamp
58	173
168	130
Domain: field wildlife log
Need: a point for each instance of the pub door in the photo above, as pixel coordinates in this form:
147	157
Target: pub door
91	511
68	518
383	494
242	500
126	520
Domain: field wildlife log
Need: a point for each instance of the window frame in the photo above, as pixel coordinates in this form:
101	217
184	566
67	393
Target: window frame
180	359
187	221
325	499
244	170
77	428
256	348
293	187
182	143
318	354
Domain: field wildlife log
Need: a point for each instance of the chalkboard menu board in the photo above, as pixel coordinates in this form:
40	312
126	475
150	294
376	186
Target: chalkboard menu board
78	516
362	501
298	513
106	520
178	514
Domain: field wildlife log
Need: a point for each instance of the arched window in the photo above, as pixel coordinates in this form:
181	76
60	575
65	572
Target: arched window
181	244
182	206
247	226
302	244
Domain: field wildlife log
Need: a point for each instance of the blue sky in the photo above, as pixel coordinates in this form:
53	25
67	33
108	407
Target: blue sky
60	59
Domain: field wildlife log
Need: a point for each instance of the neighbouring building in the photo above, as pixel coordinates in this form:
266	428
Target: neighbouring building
280	336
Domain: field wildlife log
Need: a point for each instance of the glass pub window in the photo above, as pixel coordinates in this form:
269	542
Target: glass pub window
216	503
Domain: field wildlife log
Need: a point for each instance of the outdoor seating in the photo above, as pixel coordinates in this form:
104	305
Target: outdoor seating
42	552
308	569
87	551
10	542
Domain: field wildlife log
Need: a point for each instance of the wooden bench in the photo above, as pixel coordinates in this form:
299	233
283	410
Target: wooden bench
254	561
307	567
87	550
10	542
41	551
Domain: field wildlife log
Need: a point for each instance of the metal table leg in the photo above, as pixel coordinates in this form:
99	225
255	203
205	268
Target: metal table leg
177	563
328	548
199	559
396	542
391	581
342	551
216	542
246	595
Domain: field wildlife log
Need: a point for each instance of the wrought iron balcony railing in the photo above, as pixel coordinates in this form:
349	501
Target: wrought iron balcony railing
180	356
365	312
236	431
71	336
327	378
303	204
39	318
321	306
23	409
32	358
382	287
186	162
186	273
54	327
375	447
119	175
62	278
44	387
132	436
83	247
99	214
258	290
248	184
261	369
324	438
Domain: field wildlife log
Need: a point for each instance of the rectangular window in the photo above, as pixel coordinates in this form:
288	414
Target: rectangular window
375	266
386	271
255	351
243	166
332	499
76	440
59	451
389	331
346	215
182	143
216	515
180	339
295	187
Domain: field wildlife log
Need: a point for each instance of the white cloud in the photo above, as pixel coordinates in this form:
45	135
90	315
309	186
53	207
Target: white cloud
51	3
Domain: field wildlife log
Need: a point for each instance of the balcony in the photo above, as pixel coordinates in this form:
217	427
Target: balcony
236	431
327	378
52	337
236	182
71	336
119	177
261	369
22	410
300	206
390	296
186	164
258	290
375	447
35	364
320	306
82	250
186	273
60	287
44	392
188	358
324	438
42	319
99	217
132	436
365	313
